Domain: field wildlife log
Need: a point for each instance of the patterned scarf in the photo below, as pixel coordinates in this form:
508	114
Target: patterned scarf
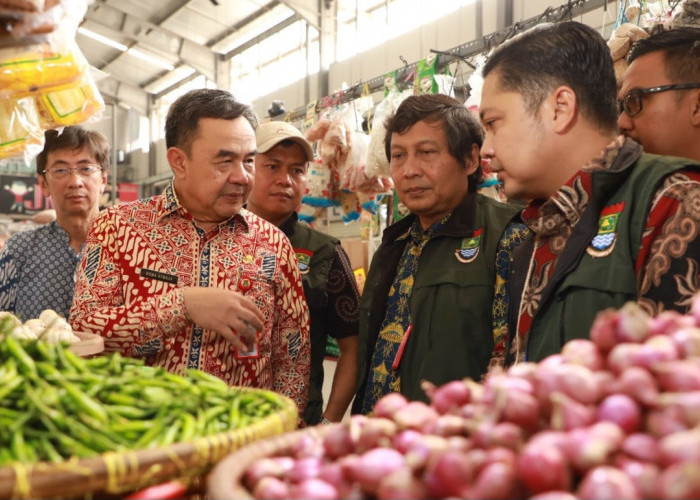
552	221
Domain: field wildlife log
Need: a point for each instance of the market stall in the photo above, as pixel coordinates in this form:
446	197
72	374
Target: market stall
611	417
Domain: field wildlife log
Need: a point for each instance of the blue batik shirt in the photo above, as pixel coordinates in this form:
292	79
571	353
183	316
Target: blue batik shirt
37	272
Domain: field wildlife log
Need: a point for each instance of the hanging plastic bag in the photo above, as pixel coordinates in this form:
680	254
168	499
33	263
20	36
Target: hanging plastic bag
377	163
20	130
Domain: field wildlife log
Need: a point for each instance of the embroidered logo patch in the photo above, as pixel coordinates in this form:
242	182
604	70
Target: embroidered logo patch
603	242
469	249
304	258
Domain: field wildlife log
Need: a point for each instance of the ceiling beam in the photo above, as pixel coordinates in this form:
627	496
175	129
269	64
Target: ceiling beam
157	39
309	10
246	20
126	93
175	85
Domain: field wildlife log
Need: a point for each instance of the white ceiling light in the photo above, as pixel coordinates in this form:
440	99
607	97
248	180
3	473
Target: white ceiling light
167	81
102	39
140	54
161	63
273	17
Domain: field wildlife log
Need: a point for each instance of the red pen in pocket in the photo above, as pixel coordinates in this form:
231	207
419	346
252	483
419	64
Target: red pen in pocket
402	346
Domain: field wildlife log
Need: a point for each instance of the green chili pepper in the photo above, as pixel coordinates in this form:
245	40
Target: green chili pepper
24	361
50	452
85	402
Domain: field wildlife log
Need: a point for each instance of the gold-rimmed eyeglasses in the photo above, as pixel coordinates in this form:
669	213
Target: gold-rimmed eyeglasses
632	102
62	172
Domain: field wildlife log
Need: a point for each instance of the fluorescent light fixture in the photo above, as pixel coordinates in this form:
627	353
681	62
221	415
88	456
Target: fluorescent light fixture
102	39
161	63
269	19
170	79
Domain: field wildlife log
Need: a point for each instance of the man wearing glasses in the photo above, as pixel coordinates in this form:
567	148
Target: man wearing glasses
37	266
660	95
610	223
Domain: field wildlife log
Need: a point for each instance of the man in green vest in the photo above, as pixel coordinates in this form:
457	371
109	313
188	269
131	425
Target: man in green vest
610	223
328	279
660	93
426	309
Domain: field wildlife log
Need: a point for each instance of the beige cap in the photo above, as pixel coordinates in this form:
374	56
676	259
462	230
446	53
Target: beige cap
269	134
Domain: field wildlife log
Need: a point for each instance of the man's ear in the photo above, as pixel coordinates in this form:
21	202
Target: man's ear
44	187
473	160
176	158
563	108
695	115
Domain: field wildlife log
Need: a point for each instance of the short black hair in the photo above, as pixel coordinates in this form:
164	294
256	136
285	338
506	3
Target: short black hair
538	60
183	117
462	128
681	52
74	138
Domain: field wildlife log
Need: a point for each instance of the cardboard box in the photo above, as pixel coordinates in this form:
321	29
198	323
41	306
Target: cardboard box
357	250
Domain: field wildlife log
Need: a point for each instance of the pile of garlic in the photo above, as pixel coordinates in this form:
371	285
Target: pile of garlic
49	326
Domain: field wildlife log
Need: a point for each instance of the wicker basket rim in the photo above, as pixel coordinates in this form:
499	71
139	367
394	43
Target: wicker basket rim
225	480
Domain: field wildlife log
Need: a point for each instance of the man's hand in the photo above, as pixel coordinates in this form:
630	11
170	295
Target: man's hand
234	316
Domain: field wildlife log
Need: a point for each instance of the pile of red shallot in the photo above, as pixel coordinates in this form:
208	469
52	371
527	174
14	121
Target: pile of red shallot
613	417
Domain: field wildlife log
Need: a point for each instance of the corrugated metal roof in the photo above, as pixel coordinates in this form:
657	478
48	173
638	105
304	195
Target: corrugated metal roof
145	46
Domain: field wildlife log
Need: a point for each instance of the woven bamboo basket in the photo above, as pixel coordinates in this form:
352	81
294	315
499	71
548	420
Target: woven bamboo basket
226	479
115	473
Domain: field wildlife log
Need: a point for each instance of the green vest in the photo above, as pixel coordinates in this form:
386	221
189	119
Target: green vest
451	299
596	269
314	251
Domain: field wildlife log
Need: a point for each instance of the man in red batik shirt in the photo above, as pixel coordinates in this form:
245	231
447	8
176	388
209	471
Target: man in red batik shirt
190	279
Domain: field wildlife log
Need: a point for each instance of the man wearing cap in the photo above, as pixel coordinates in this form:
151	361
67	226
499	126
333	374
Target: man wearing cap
329	285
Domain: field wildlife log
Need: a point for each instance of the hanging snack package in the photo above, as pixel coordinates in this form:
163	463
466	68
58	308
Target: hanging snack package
335	145
318	185
39	68
352	170
306	213
20	131
425	75
350	206
390	83
72	105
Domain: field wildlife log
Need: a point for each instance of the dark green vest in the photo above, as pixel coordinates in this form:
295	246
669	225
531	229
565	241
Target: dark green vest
594	275
314	270
451	299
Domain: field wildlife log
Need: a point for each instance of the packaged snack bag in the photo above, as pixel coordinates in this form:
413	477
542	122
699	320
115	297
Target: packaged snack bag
20	131
39	68
72	105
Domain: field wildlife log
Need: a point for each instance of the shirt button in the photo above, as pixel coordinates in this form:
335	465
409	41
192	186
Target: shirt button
244	284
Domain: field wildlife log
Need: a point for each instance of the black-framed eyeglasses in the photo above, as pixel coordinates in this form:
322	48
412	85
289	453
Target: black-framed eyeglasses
62	173
632	102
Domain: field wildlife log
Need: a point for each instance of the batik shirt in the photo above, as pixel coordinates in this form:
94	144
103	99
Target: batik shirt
137	259
37	272
382	378
671	229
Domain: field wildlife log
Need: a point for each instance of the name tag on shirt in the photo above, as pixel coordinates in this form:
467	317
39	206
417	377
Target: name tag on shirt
157	275
253	352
